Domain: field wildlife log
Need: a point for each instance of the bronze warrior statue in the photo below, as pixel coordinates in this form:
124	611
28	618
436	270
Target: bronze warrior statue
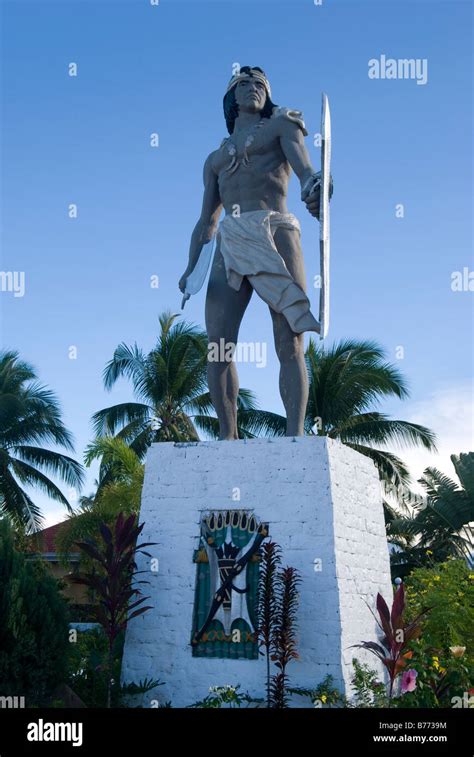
258	240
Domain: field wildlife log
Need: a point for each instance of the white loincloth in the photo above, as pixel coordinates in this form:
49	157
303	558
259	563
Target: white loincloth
248	249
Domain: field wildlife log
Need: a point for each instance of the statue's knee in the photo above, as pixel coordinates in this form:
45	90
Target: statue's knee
220	351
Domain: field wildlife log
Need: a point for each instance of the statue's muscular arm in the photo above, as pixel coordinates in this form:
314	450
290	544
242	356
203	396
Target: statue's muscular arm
294	149
207	223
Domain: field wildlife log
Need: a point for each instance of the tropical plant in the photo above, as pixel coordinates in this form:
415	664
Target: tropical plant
121	471
283	646
440	525
345	382
267	604
225	696
369	691
325	694
118	490
448	589
88	671
30	417
277	604
392	649
33	626
88	666
114	581
438	677
170	384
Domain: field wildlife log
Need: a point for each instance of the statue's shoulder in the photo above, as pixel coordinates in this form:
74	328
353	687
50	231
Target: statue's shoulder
210	161
288	114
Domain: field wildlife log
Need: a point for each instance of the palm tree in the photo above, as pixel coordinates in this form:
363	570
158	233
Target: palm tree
345	381
118	490
170	384
441	524
120	468
30	416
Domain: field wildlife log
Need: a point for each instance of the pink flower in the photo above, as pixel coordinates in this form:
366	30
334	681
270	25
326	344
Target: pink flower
409	680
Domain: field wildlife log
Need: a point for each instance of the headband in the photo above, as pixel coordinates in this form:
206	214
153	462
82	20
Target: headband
254	75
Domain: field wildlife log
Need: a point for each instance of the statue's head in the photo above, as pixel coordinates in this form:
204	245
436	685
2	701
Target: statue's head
248	91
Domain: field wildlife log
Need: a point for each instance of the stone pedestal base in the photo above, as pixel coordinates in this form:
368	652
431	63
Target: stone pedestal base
323	503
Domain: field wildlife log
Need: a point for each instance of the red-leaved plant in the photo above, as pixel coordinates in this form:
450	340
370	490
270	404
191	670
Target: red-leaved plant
113	579
393	650
267	603
283	646
278	598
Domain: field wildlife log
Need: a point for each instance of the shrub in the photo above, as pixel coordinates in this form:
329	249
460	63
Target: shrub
225	697
439	678
88	672
448	589
88	666
33	626
324	694
369	691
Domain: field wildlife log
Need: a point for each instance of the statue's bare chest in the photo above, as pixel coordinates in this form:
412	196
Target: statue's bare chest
238	150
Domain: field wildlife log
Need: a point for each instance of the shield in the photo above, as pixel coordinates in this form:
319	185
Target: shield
196	279
324	240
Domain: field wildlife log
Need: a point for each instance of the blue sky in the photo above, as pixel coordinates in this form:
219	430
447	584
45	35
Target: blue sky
164	69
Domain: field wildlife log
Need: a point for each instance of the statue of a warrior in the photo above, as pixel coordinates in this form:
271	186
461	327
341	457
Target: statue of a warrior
258	241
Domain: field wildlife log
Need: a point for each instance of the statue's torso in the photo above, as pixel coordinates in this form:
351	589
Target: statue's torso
260	184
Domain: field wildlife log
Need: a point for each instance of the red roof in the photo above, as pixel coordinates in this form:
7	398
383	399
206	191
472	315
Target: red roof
45	540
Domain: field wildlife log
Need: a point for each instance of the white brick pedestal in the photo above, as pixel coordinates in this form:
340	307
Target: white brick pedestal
323	503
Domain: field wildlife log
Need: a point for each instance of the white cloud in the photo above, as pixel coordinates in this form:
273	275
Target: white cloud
449	412
53	512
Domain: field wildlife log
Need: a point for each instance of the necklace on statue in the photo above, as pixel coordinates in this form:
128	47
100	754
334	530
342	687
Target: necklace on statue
232	149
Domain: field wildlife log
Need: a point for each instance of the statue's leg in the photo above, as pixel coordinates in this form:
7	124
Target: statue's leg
290	346
224	312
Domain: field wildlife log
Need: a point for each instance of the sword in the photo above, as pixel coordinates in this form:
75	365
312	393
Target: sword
324	241
198	275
